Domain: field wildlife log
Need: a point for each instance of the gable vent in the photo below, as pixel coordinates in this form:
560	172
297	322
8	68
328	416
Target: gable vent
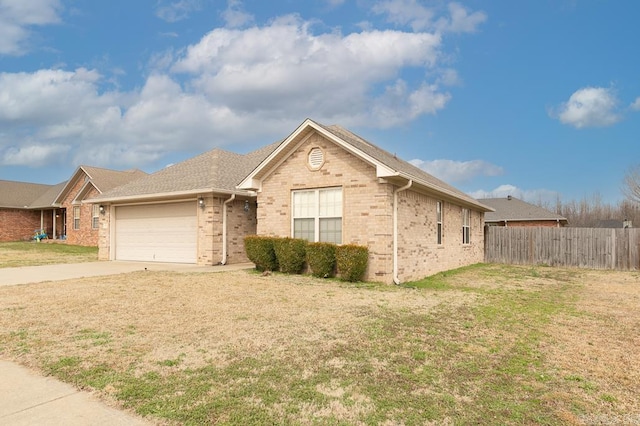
316	158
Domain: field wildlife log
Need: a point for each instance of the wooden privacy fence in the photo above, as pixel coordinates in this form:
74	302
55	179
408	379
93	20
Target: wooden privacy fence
595	248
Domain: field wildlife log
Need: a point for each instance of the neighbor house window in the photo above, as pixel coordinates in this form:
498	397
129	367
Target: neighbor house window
317	215
439	220
95	216
76	217
465	226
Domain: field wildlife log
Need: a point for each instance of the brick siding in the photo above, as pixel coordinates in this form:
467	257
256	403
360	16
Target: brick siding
85	235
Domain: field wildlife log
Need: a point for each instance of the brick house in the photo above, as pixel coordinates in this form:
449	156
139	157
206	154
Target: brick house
510	211
27	207
80	220
321	183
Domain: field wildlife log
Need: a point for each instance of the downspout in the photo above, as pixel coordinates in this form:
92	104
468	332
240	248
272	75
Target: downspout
224	228
396	280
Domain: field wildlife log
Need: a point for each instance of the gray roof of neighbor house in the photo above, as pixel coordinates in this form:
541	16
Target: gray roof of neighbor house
99	178
387	165
214	171
24	195
511	209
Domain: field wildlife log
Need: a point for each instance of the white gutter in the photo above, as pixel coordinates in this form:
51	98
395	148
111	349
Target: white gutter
396	280
224	228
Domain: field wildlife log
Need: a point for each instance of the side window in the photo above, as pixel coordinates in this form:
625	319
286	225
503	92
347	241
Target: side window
95	216
76	217
466	228
439	221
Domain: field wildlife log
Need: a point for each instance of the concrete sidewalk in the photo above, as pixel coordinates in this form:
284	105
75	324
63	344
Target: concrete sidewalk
28	399
59	272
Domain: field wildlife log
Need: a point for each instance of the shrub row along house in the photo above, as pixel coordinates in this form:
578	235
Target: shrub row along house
321	183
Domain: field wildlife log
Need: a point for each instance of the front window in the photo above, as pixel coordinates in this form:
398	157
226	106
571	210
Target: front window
466	228
317	215
439	221
95	216
76	217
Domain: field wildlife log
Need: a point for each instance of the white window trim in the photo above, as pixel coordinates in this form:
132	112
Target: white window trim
316	218
466	214
76	226
95	216
439	222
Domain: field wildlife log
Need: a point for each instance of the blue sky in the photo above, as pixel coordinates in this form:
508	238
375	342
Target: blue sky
538	99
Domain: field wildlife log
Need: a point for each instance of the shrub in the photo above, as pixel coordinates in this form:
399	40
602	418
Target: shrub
260	251
321	258
290	253
352	261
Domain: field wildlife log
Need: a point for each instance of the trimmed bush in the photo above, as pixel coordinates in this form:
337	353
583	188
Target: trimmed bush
321	258
290	254
352	261
260	251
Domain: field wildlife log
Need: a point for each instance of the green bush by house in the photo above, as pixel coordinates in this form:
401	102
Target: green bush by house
260	251
290	254
321	258
351	261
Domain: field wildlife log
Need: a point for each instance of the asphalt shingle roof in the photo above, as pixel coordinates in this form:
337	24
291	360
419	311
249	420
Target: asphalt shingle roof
513	209
215	170
21	195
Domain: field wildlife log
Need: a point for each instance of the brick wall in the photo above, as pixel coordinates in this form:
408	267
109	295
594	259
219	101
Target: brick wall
85	235
18	225
239	224
367	204
419	253
368	215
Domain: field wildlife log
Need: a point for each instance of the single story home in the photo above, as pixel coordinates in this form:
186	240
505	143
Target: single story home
26	208
57	209
321	183
510	211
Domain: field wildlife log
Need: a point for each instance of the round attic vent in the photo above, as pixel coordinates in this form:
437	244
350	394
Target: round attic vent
316	158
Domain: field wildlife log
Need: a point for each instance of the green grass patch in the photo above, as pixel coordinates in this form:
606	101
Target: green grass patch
15	254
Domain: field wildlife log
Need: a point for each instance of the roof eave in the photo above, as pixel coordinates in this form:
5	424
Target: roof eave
166	196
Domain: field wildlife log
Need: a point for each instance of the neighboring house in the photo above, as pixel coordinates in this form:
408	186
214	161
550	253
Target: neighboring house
510	211
321	183
614	223
81	220
27	207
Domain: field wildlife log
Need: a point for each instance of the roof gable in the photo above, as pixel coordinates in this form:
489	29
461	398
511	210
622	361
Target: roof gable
99	178
387	165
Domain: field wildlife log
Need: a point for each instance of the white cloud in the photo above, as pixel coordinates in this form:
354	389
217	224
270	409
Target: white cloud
458	171
235	85
590	107
234	16
174	11
528	195
16	18
285	69
636	104
33	155
420	18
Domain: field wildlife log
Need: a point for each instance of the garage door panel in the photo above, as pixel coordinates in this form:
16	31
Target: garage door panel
157	233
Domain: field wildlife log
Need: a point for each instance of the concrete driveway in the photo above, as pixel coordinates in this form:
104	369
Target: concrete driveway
59	272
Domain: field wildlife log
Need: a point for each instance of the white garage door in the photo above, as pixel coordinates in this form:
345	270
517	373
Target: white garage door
156	233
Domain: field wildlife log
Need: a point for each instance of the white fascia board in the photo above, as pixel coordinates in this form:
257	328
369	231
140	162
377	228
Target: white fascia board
166	195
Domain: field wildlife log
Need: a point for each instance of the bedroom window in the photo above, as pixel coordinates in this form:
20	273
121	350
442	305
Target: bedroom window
76	217
317	215
439	221
466	228
95	216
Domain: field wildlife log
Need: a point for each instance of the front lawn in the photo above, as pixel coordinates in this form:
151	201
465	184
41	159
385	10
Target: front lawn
33	253
488	344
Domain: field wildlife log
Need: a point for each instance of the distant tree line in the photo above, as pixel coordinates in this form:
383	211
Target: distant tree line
592	212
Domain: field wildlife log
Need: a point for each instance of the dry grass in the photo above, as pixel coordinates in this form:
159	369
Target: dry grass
490	344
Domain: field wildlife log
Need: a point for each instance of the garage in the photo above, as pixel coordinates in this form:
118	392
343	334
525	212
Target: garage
156	232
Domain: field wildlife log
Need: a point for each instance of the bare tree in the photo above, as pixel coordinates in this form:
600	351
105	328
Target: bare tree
631	184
